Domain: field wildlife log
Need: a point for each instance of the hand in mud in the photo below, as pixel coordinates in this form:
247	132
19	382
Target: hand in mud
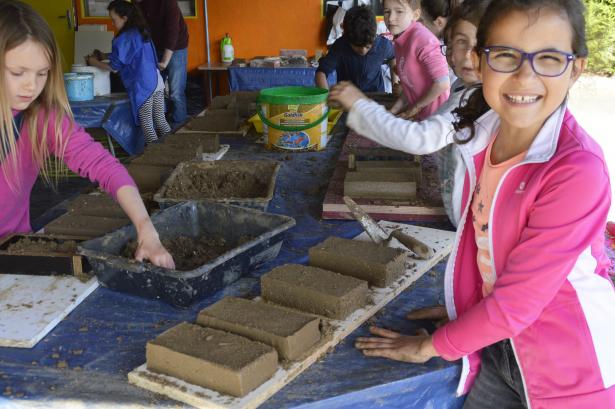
344	95
436	313
151	248
389	344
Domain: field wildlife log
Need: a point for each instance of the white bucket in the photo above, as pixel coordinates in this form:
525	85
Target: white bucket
102	80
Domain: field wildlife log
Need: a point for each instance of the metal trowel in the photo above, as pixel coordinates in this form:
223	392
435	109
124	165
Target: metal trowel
381	236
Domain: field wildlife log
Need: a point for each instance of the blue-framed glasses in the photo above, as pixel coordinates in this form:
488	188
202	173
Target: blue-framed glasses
548	63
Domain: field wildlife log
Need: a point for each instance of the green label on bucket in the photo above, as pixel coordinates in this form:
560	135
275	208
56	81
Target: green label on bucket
293	108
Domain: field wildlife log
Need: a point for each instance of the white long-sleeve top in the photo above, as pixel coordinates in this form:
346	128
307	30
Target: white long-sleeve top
434	134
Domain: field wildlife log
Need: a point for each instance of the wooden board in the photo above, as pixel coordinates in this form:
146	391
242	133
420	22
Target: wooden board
31	306
333	206
441	241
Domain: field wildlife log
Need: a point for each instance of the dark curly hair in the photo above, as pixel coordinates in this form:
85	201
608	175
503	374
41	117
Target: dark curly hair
476	105
438	8
360	26
136	20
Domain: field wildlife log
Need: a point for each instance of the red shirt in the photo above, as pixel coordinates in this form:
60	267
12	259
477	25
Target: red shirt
166	23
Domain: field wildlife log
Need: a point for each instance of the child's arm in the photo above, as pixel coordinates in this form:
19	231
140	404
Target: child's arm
399	105
90	159
326	65
432	94
392	69
372	120
149	245
321	80
94	62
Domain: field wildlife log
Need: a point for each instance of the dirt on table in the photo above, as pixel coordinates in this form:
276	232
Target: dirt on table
28	245
217	183
190	253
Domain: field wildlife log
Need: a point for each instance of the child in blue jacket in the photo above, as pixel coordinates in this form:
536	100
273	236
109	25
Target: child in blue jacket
134	57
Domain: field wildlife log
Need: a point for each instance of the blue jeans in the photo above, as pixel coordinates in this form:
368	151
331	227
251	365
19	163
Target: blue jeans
499	383
177	74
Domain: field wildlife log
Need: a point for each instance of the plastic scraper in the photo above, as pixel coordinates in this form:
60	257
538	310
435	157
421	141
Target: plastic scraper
381	236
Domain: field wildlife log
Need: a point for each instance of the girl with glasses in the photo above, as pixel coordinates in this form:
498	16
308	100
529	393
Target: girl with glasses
527	292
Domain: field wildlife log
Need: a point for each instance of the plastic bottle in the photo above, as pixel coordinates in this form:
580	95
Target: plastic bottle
226	50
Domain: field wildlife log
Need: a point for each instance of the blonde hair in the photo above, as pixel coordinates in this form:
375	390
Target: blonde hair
19	23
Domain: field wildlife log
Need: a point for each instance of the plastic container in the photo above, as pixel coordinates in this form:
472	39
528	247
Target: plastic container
264	172
102	78
227	51
294	118
182	288
79	86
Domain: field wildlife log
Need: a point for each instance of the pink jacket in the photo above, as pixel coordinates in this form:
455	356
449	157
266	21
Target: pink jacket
552	298
420	63
82	155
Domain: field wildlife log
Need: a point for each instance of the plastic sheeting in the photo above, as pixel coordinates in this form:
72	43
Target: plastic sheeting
85	359
114	115
255	79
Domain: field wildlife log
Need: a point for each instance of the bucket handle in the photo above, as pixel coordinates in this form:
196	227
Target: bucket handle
267	122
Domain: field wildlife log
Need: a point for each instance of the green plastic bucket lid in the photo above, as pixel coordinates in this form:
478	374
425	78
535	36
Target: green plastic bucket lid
293	95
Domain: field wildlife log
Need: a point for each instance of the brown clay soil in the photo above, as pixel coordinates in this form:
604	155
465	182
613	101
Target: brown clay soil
189	253
43	246
217	184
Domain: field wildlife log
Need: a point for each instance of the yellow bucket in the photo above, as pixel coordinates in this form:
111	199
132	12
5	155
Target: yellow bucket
294	118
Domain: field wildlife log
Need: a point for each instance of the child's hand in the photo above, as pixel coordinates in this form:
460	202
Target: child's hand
151	248
437	313
344	94
410	114
91	60
389	344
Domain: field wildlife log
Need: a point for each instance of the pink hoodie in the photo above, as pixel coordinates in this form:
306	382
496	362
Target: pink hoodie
552	298
83	156
420	63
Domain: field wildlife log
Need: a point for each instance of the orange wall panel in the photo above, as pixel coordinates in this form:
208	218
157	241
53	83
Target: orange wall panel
257	27
263	27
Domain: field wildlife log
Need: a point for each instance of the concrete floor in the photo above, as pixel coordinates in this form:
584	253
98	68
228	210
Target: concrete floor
592	101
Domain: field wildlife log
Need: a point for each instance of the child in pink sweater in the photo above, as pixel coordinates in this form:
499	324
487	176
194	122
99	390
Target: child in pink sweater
421	66
36	122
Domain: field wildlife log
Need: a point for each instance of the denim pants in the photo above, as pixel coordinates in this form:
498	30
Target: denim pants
499	383
177	74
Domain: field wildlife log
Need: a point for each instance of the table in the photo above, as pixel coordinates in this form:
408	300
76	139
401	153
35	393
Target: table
112	113
85	359
254	79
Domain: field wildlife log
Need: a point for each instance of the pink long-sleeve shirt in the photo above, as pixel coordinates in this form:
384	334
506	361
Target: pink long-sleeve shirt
82	155
420	64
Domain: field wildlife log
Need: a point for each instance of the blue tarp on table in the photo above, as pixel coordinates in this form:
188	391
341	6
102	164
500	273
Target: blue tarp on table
255	79
114	115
